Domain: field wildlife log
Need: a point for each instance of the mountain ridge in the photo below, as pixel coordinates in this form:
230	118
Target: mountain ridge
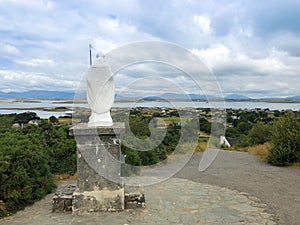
37	94
43	94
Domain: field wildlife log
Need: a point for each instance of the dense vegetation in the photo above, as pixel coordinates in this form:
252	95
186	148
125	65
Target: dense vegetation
279	128
285	139
138	123
29	157
31	154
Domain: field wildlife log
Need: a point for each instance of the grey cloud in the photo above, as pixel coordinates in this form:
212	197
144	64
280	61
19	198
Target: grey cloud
61	31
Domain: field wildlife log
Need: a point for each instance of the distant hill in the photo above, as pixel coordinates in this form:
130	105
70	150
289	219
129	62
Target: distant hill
38	94
183	96
174	96
294	98
237	97
41	94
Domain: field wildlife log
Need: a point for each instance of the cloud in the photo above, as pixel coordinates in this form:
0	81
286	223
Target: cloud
276	16
203	22
37	4
245	43
33	81
277	74
7	49
36	62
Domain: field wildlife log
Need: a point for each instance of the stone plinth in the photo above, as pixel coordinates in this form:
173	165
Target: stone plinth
99	183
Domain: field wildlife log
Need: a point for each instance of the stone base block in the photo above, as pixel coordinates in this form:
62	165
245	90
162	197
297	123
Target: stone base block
93	201
134	200
62	199
62	203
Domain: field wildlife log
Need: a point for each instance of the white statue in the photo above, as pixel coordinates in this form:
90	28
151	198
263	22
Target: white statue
100	93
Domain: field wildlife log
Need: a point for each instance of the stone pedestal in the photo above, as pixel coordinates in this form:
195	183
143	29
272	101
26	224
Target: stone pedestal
99	183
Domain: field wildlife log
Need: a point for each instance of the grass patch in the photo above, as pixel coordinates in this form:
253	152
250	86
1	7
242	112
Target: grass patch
65	120
237	149
65	176
187	147
171	120
202	134
261	151
296	165
201	147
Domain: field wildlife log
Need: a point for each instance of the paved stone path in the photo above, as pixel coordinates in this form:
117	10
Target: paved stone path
175	201
278	187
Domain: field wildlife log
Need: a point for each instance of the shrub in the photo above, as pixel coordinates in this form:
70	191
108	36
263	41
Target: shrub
285	140
28	157
53	119
132	162
24	171
243	127
259	134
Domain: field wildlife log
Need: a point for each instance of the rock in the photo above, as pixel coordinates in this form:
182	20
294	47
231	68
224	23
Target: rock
62	203
134	200
62	200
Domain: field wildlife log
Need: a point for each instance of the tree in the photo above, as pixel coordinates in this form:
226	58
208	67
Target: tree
24	118
232	132
243	127
248	117
229	118
132	161
172	137
285	140
53	119
205	126
139	125
260	133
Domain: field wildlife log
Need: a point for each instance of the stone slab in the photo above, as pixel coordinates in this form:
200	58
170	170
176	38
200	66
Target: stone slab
93	201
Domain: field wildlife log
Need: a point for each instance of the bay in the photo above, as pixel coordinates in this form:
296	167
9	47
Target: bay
10	106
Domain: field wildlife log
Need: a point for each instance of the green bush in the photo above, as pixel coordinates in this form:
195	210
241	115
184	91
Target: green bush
132	162
63	151
139	125
28	158
232	133
24	171
6	121
285	140
243	141
243	127
260	133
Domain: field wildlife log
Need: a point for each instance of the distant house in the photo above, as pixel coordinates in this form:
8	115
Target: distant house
160	123
180	124
16	125
34	122
235	117
224	141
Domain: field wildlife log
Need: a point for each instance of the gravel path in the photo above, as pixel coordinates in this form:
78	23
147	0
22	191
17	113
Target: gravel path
236	189
175	201
276	186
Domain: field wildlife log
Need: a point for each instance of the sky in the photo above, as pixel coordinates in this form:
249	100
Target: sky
252	48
